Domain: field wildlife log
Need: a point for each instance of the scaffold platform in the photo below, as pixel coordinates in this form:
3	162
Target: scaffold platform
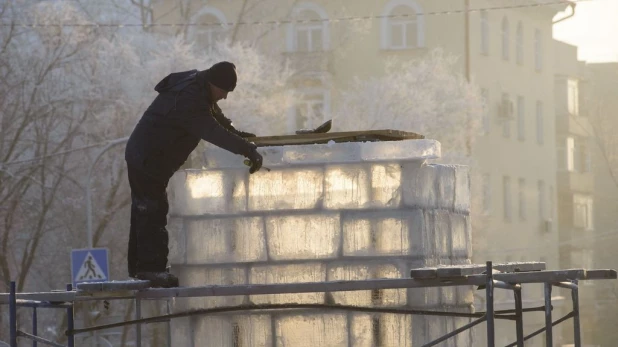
487	277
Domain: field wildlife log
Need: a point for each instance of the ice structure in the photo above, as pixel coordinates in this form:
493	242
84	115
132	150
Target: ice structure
343	211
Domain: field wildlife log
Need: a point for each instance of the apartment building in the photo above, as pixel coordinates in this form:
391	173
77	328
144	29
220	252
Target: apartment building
507	50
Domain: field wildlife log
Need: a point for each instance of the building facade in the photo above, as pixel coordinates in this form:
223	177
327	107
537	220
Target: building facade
507	50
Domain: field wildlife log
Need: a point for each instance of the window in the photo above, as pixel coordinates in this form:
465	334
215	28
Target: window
214	30
312	106
403	25
309	31
506	189
573	97
550	211
538	50
570	153
561	156
582	212
540	131
486	194
521	121
578	156
486	111
506	40
519	44
484	32
522	199
541	196
582	161
506	117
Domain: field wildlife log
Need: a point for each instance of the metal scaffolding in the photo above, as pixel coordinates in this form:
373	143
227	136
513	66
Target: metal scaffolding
509	276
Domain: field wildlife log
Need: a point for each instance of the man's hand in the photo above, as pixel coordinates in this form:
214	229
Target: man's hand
244	134
256	160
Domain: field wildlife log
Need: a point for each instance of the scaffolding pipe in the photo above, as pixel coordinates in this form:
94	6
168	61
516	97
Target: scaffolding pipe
489	302
456	332
519	321
549	341
34	326
36	339
12	316
528	337
70	323
138	326
576	326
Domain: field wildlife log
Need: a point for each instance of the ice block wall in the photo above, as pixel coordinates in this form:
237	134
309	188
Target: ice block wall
347	211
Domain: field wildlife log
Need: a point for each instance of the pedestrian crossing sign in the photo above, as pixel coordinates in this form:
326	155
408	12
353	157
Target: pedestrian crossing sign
89	265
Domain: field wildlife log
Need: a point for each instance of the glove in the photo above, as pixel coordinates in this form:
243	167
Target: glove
256	160
244	134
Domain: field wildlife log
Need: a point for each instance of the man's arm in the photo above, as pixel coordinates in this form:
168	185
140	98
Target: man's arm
227	123
208	129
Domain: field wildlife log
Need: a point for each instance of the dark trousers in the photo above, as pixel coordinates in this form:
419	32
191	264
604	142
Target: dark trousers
148	238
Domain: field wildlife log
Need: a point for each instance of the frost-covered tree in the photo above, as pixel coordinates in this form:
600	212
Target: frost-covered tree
65	91
426	96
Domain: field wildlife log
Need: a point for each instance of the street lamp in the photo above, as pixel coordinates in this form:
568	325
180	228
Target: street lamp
111	144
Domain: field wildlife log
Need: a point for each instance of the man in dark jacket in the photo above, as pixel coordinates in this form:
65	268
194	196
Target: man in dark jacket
184	112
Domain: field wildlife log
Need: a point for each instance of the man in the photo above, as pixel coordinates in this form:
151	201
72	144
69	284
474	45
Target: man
184	112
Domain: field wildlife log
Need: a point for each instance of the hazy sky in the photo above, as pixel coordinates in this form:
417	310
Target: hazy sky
594	29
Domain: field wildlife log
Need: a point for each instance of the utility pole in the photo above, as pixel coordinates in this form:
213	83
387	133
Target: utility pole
467	67
467	37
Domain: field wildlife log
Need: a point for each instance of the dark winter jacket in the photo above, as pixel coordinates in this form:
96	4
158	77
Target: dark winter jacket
173	125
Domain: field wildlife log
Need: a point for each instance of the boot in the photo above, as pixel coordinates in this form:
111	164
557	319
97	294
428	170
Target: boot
161	279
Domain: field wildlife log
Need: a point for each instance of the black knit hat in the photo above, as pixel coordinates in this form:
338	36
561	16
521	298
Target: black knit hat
223	75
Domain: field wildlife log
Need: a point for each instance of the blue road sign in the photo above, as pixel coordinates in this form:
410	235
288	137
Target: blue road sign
89	265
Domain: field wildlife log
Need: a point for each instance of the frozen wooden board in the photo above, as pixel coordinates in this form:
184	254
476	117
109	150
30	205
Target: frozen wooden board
474	269
337	137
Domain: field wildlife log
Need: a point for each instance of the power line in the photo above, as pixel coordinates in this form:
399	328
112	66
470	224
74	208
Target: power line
290	21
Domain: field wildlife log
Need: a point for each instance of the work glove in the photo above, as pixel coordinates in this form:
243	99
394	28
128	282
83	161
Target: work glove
256	160
244	134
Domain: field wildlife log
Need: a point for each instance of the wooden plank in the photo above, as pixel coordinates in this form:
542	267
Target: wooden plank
601	274
112	286
338	137
474	269
543	276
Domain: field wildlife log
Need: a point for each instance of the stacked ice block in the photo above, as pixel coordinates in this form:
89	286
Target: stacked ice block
348	211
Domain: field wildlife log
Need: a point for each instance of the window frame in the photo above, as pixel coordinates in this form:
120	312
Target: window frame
519	44
506	39
294	27
484	22
194	30
386	36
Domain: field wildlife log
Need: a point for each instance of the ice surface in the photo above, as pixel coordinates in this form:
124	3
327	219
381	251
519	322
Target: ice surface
199	192
312	330
311	236
419	185
233	331
347	152
286	189
177	240
346	186
337	211
460	230
376	233
293	273
385	185
355	271
194	276
225	240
